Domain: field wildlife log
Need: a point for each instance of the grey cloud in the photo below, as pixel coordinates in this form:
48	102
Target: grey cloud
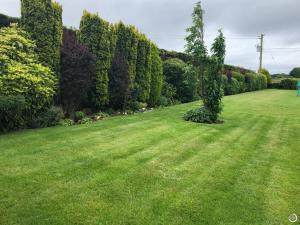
165	21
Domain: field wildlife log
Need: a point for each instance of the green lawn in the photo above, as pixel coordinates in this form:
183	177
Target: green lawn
155	168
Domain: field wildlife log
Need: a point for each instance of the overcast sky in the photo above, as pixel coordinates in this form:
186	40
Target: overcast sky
165	21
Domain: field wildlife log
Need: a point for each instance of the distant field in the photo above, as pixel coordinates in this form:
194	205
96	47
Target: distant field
155	168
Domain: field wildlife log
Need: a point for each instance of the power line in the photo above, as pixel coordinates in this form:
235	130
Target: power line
283	48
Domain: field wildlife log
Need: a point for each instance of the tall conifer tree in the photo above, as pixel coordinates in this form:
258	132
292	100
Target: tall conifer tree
95	33
42	19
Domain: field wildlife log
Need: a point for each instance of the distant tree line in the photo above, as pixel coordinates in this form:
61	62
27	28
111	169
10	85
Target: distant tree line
182	83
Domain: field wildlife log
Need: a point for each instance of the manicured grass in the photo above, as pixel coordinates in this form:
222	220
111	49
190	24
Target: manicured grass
155	168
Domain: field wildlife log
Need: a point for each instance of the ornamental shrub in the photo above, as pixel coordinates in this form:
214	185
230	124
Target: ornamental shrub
191	84
267	75
11	113
49	118
79	115
21	74
240	78
200	115
66	122
77	73
288	84
224	83
85	120
174	70
262	81
233	87
250	81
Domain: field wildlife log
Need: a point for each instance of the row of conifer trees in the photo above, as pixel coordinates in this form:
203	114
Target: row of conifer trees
127	67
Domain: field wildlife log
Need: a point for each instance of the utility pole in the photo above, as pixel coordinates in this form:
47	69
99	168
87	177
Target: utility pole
261	49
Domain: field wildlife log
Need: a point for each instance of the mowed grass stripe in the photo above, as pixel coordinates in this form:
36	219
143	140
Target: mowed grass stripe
155	168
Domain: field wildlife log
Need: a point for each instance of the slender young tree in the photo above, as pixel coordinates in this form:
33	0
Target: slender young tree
212	91
195	42
213	84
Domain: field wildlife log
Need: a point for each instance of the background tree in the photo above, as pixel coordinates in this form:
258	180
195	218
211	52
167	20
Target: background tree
42	19
195	43
174	70
157	76
127	44
143	72
77	73
267	74
295	72
191	84
95	33
5	20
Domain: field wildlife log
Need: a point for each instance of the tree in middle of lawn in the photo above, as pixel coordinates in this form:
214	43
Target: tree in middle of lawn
212	66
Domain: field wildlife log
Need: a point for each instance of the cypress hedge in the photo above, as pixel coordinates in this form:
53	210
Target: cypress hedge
157	76
127	43
143	72
42	19
95	33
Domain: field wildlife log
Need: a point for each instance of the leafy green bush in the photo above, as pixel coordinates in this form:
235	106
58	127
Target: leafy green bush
49	118
100	116
85	120
255	82
21	73
135	106
200	115
79	115
174	72
11	113
168	95
224	82
164	101
262	81
267	75
191	85
288	84
66	122
241	80
233	87
250	82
